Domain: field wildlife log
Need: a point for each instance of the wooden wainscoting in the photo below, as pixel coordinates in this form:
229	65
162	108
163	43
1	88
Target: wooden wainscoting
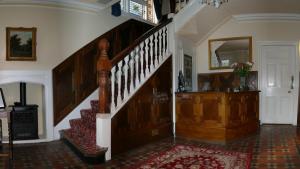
216	116
147	116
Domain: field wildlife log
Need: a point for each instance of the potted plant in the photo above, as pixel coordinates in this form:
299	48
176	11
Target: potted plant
242	70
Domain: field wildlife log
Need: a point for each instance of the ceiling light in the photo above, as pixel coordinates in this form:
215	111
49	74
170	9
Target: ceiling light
215	3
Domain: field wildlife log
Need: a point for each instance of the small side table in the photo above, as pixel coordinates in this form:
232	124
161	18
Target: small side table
7	113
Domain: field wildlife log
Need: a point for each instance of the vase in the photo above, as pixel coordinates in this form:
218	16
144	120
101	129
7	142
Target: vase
243	85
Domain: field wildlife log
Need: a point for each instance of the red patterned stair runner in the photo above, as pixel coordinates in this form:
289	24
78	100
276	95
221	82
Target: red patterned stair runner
82	133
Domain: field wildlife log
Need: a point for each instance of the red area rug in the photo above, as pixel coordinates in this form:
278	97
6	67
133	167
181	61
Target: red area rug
190	157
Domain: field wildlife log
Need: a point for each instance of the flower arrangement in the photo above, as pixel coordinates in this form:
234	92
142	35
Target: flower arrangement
242	69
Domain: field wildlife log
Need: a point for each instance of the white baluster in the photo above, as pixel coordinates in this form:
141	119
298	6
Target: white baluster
168	46
164	42
155	52
142	77
151	54
131	72
113	105
137	66
147	57
119	74
160	47
125	70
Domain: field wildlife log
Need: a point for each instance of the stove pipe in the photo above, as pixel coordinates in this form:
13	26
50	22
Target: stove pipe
23	94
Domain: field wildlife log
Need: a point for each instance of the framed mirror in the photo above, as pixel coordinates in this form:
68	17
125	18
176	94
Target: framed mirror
226	51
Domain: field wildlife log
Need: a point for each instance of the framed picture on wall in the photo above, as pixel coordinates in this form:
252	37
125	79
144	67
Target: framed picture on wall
188	72
20	44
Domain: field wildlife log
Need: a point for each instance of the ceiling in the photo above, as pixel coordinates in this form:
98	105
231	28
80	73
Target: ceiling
207	19
87	5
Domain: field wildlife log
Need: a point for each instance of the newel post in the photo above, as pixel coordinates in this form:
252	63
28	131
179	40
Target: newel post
103	67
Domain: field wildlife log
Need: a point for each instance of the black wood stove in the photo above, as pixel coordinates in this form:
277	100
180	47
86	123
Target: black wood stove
24	118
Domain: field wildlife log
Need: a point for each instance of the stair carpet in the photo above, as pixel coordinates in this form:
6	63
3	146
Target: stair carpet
82	134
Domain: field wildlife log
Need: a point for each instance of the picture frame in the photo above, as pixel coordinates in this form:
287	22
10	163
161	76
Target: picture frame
20	44
188	72
224	52
2	100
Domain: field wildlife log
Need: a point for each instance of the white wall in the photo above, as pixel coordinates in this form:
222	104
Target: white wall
259	30
60	32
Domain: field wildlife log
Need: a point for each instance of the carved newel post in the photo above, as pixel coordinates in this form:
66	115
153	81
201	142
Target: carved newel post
103	68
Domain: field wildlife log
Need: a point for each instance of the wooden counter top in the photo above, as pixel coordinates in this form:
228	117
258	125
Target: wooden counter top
217	116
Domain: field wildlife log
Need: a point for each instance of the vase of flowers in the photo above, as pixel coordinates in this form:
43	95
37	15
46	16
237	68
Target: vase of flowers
242	70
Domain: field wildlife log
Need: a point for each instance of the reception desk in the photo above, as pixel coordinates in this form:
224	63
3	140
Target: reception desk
217	116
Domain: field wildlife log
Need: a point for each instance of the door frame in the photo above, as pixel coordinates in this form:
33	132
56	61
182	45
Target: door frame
295	44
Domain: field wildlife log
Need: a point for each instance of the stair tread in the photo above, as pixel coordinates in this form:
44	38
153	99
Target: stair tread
88	117
95	106
85	145
82	128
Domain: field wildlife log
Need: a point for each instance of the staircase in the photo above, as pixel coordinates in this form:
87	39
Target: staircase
82	135
119	79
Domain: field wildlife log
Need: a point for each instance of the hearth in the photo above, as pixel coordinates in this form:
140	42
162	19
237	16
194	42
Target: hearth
24	118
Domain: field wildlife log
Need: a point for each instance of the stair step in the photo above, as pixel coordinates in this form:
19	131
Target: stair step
88	117
85	147
82	129
95	106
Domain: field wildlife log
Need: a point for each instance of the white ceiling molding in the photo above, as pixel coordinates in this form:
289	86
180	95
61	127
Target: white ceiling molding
267	17
69	4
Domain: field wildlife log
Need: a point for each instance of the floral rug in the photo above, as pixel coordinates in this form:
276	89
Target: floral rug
190	157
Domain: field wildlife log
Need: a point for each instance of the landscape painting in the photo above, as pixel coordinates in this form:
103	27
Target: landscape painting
20	44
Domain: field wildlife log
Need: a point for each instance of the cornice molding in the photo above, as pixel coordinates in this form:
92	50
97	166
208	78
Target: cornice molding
68	4
267	17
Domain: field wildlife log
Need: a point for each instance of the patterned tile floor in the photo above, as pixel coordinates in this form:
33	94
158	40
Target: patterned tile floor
273	147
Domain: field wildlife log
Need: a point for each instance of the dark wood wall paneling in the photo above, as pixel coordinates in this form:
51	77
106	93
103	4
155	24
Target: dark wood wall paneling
147	116
221	81
76	77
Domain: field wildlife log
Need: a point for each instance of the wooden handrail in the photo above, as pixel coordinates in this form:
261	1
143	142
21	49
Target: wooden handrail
127	50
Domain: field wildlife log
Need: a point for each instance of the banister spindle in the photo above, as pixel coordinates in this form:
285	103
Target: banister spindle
142	76
137	66
167	41
131	72
156	47
125	70
151	54
119	78
164	42
113	74
103	69
147	57
160	47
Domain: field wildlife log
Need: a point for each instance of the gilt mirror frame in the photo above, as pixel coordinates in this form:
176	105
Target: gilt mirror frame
212	67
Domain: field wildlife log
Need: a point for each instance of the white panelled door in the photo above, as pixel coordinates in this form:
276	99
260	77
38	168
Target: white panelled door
278	84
